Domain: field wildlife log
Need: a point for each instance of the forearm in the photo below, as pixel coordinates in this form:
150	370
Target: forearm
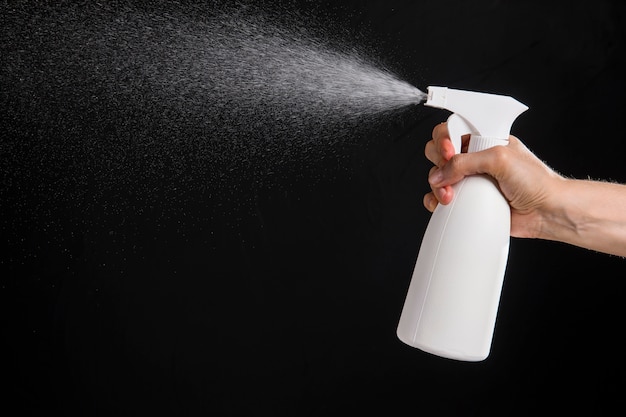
589	214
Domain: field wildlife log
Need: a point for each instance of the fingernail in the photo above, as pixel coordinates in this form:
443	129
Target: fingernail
436	177
441	193
432	204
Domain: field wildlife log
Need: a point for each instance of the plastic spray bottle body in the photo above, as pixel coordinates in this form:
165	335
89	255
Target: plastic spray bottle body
451	305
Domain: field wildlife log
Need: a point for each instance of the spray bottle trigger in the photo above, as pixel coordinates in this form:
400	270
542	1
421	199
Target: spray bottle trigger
458	127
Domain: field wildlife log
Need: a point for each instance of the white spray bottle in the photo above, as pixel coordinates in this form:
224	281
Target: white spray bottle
451	306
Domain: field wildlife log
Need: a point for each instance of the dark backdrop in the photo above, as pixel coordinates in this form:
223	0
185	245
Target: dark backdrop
278	292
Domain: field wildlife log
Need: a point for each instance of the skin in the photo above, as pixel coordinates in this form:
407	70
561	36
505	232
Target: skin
544	204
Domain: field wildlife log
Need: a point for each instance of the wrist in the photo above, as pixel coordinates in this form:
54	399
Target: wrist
588	214
559	218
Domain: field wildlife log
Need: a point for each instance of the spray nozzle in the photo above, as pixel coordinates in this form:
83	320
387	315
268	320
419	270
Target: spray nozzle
490	115
437	97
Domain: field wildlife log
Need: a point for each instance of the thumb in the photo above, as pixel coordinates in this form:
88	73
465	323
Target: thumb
464	164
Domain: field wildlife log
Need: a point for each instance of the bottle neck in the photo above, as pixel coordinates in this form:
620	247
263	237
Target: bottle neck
480	143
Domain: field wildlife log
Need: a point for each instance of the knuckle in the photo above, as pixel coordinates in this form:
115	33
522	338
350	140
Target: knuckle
439	131
428	147
501	155
432	154
455	164
435	131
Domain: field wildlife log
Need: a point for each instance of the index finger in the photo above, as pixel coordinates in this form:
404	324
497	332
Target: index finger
441	149
443	143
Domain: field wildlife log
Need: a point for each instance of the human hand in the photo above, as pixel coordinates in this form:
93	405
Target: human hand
524	180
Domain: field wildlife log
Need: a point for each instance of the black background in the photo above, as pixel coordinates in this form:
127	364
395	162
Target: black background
279	293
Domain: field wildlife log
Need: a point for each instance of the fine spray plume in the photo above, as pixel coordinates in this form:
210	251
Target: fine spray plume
452	301
183	101
178	105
